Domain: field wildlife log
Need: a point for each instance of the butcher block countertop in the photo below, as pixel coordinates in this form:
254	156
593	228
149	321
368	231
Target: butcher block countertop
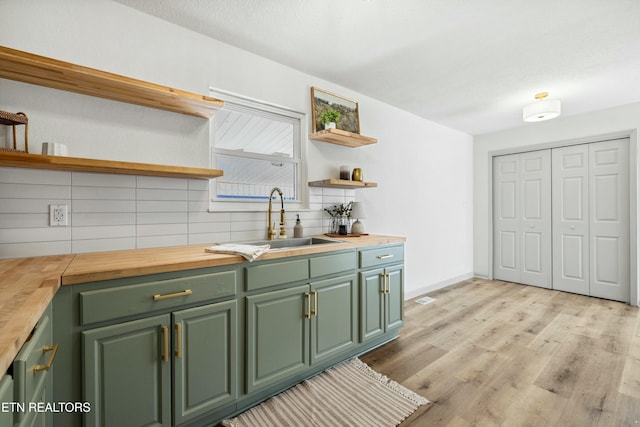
27	285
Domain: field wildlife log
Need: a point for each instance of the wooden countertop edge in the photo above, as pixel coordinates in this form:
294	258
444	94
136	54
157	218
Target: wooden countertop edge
43	280
37	282
100	266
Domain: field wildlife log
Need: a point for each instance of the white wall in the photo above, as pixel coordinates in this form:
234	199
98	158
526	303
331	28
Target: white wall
424	170
585	127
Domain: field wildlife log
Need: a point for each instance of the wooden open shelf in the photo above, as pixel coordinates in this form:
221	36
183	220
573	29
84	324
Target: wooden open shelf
40	70
37	161
342	137
342	183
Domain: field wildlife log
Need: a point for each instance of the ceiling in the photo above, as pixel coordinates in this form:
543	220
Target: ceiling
468	65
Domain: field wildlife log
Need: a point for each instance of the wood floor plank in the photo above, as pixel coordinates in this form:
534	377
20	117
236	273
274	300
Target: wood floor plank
493	353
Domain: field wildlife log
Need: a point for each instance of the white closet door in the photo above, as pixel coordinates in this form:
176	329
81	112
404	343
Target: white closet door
571	219
506	214
522	218
535	219
609	224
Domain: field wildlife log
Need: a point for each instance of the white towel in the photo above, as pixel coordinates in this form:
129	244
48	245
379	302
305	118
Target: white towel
250	252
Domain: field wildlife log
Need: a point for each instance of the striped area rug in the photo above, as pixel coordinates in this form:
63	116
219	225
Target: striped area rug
349	394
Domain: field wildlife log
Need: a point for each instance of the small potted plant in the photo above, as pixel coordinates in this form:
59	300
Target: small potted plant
329	117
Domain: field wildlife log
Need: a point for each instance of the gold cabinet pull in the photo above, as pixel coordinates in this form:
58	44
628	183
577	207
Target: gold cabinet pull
315	302
174	295
179	339
307	315
165	335
384	283
385	256
47	348
388	283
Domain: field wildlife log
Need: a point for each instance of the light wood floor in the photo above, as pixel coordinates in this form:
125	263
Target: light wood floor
491	353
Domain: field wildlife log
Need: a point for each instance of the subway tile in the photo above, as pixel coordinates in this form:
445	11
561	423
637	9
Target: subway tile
101	245
31	235
198	196
161	194
161	218
103	206
161	241
103	232
103	193
209	216
161	229
24	220
162	182
86	179
34	176
12	206
198	206
208	238
99	218
161	206
34	191
209	227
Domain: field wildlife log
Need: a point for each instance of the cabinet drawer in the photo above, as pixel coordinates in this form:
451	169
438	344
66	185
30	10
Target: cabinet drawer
31	365
380	256
113	303
263	276
330	264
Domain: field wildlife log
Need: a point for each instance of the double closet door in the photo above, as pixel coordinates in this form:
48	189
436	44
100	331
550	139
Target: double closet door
561	219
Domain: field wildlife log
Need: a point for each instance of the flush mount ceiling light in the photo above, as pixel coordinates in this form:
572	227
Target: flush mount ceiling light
542	109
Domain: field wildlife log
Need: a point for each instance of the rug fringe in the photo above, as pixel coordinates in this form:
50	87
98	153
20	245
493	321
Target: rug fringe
393	385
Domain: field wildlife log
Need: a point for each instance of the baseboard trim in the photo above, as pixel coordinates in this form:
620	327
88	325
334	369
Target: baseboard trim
413	293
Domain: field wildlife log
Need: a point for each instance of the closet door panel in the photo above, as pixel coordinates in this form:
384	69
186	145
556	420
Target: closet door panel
506	218
570	188
609	224
535	221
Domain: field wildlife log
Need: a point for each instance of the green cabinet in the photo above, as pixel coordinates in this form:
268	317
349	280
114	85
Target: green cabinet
127	373
291	329
32	373
381	292
334	317
128	367
205	359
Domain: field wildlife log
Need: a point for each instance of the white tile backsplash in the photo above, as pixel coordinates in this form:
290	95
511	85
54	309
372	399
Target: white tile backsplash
115	212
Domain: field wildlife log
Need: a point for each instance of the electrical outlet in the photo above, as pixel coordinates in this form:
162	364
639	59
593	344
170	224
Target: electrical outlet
58	216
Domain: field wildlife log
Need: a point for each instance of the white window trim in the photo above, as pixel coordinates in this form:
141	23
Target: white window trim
302	203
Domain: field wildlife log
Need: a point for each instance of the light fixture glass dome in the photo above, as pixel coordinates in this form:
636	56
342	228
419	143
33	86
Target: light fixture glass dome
543	109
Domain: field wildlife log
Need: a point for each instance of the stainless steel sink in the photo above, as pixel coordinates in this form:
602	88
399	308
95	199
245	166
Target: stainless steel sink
293	243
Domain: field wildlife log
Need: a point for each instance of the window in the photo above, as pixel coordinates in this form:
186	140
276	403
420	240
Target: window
259	146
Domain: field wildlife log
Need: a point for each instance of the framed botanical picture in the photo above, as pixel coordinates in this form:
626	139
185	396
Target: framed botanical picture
328	107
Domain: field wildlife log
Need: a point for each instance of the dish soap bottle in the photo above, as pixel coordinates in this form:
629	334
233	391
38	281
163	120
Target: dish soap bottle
297	229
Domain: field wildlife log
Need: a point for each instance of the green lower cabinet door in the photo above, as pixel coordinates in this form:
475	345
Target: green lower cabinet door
205	352
127	373
277	336
334	319
395	297
372	302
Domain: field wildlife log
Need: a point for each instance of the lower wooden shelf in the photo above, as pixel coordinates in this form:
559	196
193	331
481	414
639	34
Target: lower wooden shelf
342	183
37	161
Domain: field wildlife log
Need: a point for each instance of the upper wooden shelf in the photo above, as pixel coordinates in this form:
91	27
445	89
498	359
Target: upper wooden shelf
342	183
342	137
37	161
40	70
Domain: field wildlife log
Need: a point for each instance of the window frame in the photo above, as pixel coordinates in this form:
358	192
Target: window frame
246	104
